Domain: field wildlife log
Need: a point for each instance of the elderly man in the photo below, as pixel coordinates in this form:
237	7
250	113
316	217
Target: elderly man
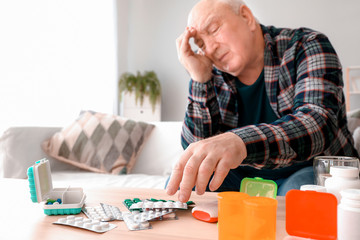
263	102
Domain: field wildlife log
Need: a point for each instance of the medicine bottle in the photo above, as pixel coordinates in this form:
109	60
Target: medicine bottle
349	215
342	177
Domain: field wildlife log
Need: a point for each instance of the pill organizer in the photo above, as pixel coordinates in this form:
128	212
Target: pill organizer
207	212
56	201
103	212
258	187
87	224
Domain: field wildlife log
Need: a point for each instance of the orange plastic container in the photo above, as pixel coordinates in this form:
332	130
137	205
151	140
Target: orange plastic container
311	214
231	221
260	215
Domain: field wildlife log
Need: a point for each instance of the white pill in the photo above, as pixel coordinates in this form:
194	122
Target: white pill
79	223
135	212
87	220
158	205
149	205
151	216
164	211
134	225
95	222
157	214
97	227
88	225
62	220
70	217
145	224
169	205
79	218
136	217
105	224
70	221
106	218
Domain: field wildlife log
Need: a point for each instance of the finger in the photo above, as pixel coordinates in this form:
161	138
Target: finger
178	42
185	47
220	174
206	169
189	177
177	173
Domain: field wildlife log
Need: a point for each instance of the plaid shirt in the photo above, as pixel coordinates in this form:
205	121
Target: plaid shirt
303	81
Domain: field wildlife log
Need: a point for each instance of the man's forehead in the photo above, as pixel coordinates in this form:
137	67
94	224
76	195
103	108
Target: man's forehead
199	20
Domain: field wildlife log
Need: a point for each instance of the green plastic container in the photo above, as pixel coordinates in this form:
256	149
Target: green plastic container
41	189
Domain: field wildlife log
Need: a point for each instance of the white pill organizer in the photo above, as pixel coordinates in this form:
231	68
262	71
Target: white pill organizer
41	190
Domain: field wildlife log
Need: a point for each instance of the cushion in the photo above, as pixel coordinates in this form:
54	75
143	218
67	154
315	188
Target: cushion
353	118
99	142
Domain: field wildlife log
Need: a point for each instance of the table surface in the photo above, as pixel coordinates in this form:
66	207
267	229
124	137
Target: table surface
22	219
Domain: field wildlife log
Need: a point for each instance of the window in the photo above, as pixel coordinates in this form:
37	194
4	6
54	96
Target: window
57	58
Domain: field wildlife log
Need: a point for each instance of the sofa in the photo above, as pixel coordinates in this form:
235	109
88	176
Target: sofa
20	148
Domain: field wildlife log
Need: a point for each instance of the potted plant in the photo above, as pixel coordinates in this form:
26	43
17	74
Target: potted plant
141	85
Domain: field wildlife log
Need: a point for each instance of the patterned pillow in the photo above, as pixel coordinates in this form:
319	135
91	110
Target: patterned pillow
99	142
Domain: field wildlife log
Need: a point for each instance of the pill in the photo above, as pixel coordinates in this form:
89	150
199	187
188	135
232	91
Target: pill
95	222
168	205
87	221
136	218
88	225
104	224
149	205
70	217
79	219
145	224
134	225
97	227
79	223
62	220
70	221
158	205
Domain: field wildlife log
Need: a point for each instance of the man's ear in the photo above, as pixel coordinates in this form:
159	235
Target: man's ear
248	17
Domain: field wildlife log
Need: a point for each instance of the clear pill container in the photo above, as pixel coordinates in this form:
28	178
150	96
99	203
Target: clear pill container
342	177
349	215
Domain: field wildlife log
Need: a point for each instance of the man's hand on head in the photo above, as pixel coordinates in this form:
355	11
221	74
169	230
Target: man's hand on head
201	159
197	64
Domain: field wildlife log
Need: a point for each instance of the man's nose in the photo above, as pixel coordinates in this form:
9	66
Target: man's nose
211	46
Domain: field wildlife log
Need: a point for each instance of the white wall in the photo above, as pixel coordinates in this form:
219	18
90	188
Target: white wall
56	59
153	26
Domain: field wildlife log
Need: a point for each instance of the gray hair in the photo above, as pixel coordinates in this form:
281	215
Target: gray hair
234	4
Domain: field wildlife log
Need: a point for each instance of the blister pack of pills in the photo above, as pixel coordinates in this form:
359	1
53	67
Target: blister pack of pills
103	213
153	204
84	223
134	223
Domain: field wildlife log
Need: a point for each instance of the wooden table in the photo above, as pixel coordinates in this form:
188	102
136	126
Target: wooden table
22	219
